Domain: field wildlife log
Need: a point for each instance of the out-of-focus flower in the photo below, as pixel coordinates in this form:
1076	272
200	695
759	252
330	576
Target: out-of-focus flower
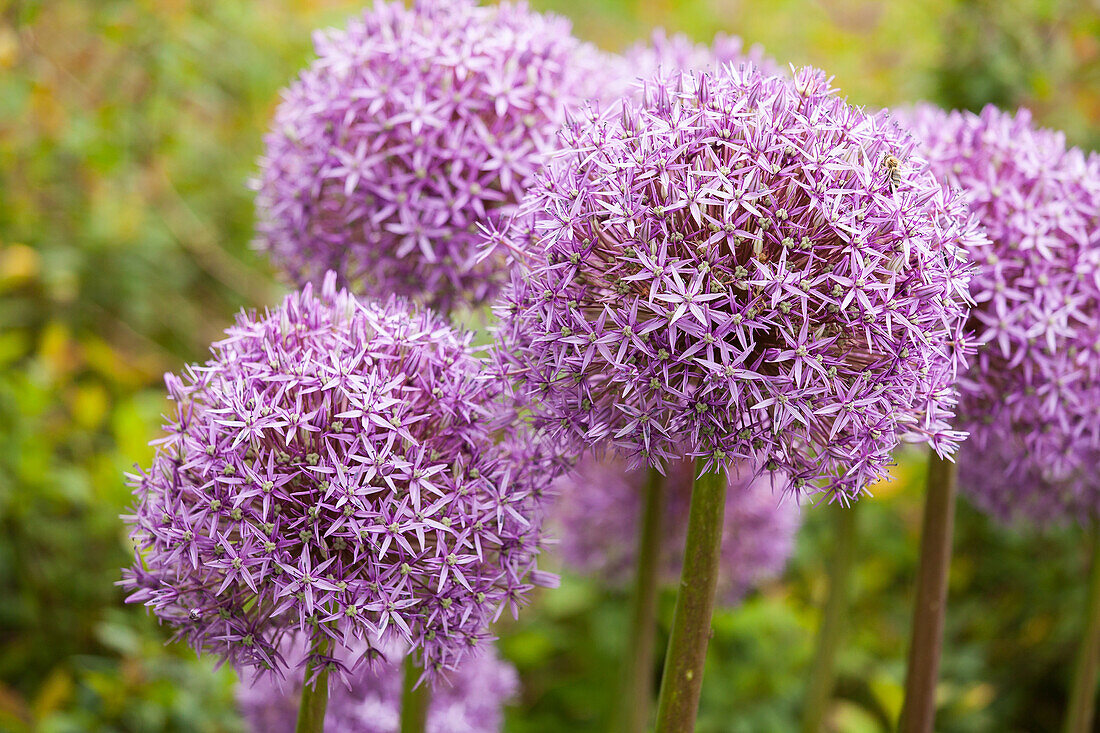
669	55
413	129
335	469
1031	397
598	509
469	700
732	268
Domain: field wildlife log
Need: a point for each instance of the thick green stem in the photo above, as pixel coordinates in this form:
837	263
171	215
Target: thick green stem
682	681
414	700
831	631
311	709
918	712
1082	700
637	698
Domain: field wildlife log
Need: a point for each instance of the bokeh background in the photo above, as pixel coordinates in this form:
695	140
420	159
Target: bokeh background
128	132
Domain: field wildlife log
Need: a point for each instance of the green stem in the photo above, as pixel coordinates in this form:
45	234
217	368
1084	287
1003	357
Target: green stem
414	700
682	681
918	712
1082	700
311	709
831	631
638	682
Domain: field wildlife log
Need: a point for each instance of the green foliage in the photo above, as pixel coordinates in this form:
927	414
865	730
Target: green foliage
1050	63
128	132
1012	624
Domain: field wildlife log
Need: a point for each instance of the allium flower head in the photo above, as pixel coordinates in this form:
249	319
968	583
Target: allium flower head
334	468
728	269
1030	398
597	513
413	129
470	700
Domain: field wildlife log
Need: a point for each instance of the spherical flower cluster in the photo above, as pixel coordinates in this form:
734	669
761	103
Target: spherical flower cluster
669	55
335	469
470	700
1030	398
1014	487
412	130
596	518
733	268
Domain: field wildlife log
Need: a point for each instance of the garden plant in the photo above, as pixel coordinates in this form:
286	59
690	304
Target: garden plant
594	393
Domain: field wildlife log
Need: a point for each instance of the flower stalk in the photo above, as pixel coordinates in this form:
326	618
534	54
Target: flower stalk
918	712
682	680
831	631
414	700
1082	700
314	700
637	699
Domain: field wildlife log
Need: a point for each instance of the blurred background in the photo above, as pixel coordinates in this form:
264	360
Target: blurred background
128	131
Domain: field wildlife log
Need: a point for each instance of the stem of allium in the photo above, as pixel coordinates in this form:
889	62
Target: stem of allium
311	709
687	647
1082	700
414	700
831	631
638	681
918	713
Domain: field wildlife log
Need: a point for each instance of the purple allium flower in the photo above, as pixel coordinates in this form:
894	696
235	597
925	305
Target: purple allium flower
597	512
336	467
668	55
729	270
413	129
470	700
1031	397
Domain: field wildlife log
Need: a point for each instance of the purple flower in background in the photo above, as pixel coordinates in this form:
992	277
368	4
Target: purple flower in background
1031	397
598	506
670	55
413	129
666	57
469	700
335	468
730	269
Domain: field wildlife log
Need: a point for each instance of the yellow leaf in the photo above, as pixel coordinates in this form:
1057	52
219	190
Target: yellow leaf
889	694
89	405
122	368
53	693
58	351
18	264
979	696
9	47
